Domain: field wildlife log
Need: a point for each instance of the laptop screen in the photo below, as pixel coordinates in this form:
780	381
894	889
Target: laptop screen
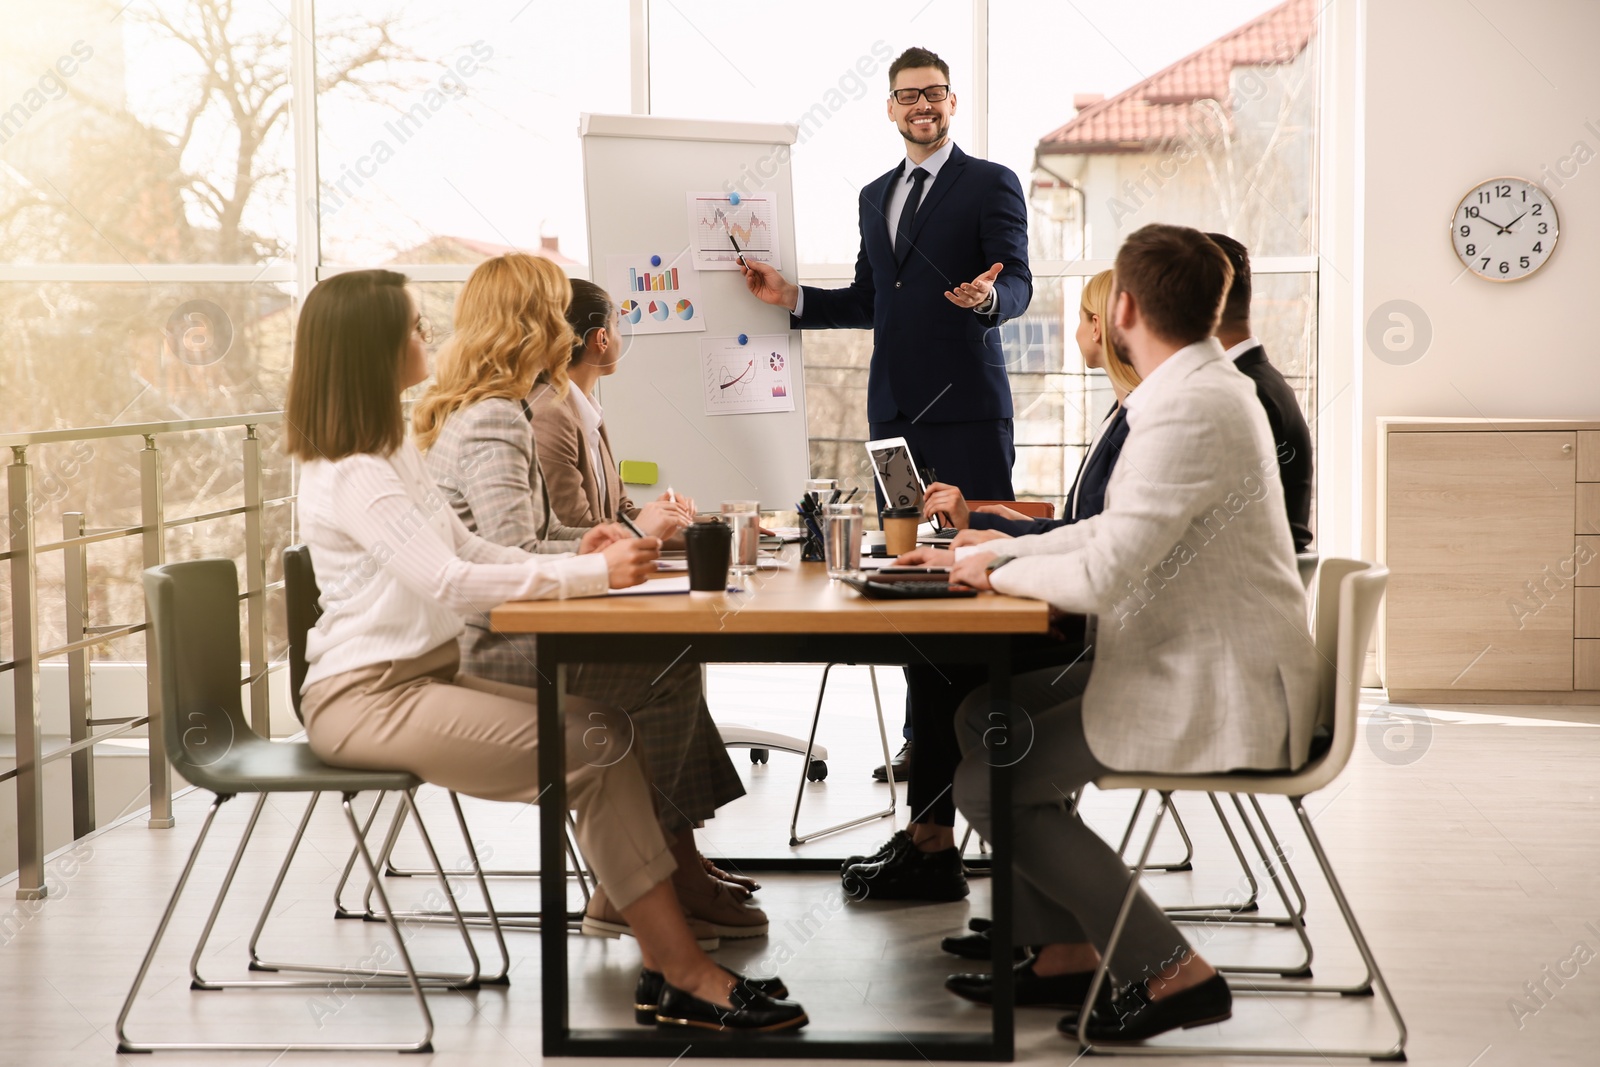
896	473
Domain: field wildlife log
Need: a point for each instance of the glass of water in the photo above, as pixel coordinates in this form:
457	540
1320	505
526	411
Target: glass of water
744	519
842	539
822	487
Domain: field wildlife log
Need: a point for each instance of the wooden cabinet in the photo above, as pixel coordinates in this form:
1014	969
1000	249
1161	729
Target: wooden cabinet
1491	532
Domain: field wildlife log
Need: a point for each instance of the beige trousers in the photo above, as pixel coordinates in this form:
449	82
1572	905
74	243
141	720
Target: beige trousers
480	738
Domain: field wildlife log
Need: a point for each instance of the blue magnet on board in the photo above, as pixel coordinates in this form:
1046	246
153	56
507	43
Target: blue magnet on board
744	339
733	198
655	261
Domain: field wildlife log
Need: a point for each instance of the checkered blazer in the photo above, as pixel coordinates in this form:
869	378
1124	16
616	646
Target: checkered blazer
486	465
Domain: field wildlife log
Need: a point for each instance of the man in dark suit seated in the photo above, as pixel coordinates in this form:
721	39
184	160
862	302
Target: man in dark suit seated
1290	434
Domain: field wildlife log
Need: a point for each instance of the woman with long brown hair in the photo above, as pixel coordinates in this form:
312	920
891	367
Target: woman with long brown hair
399	572
511	337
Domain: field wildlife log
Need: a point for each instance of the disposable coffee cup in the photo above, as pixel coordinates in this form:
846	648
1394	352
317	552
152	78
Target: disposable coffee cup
899	529
709	546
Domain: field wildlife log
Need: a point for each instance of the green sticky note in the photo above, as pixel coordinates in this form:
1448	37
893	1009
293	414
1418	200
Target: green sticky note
639	472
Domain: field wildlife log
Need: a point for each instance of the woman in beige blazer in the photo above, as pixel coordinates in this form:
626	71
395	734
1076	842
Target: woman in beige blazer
475	421
574	451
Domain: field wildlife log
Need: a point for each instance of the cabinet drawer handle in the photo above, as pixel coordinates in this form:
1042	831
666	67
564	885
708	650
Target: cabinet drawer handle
1566	450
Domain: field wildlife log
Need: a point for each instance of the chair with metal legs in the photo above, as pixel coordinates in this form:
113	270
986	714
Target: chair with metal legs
194	635
1348	595
1244	911
795	837
303	608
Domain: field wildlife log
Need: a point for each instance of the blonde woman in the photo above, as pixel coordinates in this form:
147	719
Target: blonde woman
398	572
475	422
1088	493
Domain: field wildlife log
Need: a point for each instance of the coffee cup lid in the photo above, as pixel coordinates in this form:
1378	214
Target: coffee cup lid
911	511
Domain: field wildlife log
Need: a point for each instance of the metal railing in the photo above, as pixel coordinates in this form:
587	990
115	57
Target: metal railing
23	552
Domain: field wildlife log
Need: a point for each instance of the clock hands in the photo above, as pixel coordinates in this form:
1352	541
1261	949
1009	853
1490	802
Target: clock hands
1499	229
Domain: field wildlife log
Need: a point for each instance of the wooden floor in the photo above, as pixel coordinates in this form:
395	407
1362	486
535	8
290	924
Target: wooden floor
1469	844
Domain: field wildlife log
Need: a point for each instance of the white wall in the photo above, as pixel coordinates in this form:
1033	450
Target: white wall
1457	93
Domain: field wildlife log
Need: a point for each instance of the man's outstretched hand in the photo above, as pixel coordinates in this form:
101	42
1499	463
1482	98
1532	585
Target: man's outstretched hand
971	294
766	283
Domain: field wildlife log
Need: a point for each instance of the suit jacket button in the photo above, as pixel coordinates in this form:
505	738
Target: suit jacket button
897	285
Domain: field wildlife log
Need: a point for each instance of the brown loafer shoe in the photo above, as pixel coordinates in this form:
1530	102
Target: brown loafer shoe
749	885
602	919
712	902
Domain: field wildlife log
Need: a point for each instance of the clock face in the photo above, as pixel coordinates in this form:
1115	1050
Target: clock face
1504	229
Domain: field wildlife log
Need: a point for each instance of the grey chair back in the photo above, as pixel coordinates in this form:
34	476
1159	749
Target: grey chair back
1325	633
194	622
302	598
1347	612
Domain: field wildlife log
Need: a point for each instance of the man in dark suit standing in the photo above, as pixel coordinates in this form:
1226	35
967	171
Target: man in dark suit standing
943	263
1290	434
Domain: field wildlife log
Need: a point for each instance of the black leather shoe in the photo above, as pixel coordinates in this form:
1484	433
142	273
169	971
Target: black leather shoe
1133	1017
647	993
898	843
1032	990
977	947
752	1011
901	764
908	875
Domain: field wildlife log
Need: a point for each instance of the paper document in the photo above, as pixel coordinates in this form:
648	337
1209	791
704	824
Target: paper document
655	297
675	584
743	379
753	222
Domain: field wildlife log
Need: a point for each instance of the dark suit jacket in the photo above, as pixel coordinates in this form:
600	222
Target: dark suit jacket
1290	435
931	360
1088	488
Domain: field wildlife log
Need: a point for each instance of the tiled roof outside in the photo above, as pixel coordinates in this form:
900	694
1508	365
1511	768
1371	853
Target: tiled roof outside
1160	108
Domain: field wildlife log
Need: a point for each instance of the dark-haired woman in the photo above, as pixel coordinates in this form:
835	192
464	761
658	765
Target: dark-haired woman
574	451
399	571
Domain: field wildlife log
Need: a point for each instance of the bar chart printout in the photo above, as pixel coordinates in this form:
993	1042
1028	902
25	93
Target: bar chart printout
654	297
752	221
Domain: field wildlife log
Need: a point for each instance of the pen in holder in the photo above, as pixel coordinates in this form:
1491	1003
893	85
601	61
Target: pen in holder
810	510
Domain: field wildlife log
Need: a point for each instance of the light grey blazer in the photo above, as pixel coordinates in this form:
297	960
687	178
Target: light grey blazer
1204	661
486	466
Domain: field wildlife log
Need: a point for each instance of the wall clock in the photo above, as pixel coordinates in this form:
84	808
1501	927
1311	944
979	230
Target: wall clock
1504	229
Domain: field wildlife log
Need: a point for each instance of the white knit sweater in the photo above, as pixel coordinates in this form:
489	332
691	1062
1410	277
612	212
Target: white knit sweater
398	570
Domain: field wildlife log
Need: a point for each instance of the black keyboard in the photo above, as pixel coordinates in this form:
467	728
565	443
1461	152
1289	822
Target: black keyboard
936	588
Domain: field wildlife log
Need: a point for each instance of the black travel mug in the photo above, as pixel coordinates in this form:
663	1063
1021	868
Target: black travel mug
709	546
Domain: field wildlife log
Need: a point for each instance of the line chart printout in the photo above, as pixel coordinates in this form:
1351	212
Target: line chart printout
750	220
654	296
745	379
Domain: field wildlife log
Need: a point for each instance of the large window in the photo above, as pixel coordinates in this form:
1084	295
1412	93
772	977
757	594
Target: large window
150	170
468	143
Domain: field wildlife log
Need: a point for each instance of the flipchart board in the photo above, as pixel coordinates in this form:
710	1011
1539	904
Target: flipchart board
648	185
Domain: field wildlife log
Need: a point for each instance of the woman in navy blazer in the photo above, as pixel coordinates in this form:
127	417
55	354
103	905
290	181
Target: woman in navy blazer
1088	493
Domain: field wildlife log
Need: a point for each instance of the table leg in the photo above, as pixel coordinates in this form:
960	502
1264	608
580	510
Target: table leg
552	850
1000	872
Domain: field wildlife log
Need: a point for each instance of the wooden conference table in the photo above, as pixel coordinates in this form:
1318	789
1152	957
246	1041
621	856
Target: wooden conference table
789	616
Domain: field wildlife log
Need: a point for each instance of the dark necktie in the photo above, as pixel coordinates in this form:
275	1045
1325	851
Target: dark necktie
908	215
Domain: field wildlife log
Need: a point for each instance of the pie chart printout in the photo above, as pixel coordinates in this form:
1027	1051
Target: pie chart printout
745	379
